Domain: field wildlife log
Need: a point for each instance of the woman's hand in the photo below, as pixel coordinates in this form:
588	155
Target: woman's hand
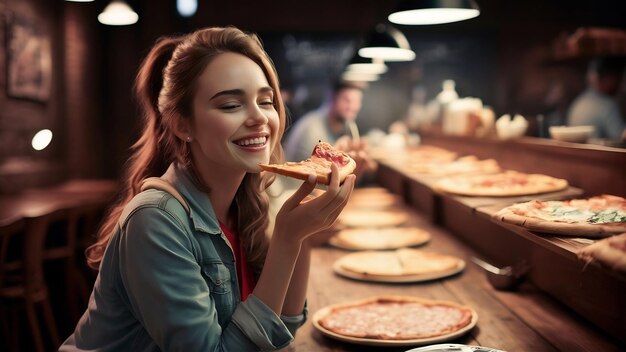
297	220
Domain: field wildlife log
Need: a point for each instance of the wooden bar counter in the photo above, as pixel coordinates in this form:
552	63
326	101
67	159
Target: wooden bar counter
591	291
521	320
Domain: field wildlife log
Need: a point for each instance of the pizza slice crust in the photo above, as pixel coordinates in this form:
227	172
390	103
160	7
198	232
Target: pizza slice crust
458	185
562	228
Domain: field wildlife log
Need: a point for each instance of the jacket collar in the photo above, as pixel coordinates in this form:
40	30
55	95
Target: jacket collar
201	211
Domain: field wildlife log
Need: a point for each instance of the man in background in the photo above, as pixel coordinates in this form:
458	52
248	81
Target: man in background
329	124
597	105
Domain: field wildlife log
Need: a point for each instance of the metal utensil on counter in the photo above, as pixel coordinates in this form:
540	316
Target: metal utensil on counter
453	347
506	278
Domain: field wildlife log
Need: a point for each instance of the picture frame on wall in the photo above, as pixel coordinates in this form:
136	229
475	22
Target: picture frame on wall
28	61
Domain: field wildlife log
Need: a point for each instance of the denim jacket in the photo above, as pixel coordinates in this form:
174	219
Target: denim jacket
168	282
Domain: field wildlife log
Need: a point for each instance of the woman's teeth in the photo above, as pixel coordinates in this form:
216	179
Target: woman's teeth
252	141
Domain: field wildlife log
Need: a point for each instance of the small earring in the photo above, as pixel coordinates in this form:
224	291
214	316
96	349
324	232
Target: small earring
188	139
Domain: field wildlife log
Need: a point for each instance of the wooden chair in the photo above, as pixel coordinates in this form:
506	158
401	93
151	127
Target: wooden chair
22	277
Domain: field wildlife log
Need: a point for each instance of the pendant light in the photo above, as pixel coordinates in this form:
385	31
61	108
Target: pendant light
424	12
366	65
356	76
388	44
118	13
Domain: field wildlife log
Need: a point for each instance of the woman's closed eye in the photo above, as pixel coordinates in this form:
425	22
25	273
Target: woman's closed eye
230	106
267	102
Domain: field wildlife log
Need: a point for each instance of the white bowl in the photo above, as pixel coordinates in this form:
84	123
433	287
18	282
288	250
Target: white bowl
576	134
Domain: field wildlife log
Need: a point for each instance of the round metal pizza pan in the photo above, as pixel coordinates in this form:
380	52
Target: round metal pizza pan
337	268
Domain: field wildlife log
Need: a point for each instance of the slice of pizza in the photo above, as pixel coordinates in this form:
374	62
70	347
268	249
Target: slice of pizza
323	156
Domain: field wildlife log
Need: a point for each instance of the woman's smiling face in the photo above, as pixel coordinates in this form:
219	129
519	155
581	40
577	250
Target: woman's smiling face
235	121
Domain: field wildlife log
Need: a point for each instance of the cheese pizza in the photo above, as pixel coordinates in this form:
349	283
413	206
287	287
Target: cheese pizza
323	156
372	218
598	216
395	318
504	184
399	263
465	165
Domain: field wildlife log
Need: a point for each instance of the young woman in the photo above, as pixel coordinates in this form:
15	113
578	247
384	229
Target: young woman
207	278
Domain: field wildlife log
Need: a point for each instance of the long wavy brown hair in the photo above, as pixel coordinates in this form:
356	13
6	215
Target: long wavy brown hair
164	87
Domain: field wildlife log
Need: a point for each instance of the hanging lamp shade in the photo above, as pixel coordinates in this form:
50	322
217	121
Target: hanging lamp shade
118	13
424	12
366	65
388	44
356	76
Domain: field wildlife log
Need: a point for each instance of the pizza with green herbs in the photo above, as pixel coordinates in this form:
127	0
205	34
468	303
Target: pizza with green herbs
598	216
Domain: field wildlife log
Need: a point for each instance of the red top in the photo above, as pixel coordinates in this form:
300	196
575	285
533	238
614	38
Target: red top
244	273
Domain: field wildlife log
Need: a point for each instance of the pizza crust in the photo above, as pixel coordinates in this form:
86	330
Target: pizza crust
396	318
610	252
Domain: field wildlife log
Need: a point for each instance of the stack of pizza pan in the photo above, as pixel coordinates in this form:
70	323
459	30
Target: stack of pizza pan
375	227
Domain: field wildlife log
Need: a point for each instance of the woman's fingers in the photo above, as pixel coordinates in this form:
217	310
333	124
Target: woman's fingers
302	192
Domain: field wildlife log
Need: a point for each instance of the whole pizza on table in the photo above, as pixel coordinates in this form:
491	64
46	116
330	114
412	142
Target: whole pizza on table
423	153
372	198
372	218
322	157
503	184
395	320
402	265
465	165
598	216
379	238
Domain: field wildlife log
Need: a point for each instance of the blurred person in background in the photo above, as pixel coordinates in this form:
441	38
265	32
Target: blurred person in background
329	123
597	105
190	265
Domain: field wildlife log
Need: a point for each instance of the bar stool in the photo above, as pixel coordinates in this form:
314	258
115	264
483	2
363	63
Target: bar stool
62	246
22	276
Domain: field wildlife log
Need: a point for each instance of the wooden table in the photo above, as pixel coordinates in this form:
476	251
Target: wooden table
37	202
522	320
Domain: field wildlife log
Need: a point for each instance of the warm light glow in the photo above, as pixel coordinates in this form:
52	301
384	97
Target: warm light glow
41	139
187	8
388	53
432	16
359	76
118	13
376	67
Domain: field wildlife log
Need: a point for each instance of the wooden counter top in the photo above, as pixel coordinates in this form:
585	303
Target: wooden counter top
522	320
592	168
